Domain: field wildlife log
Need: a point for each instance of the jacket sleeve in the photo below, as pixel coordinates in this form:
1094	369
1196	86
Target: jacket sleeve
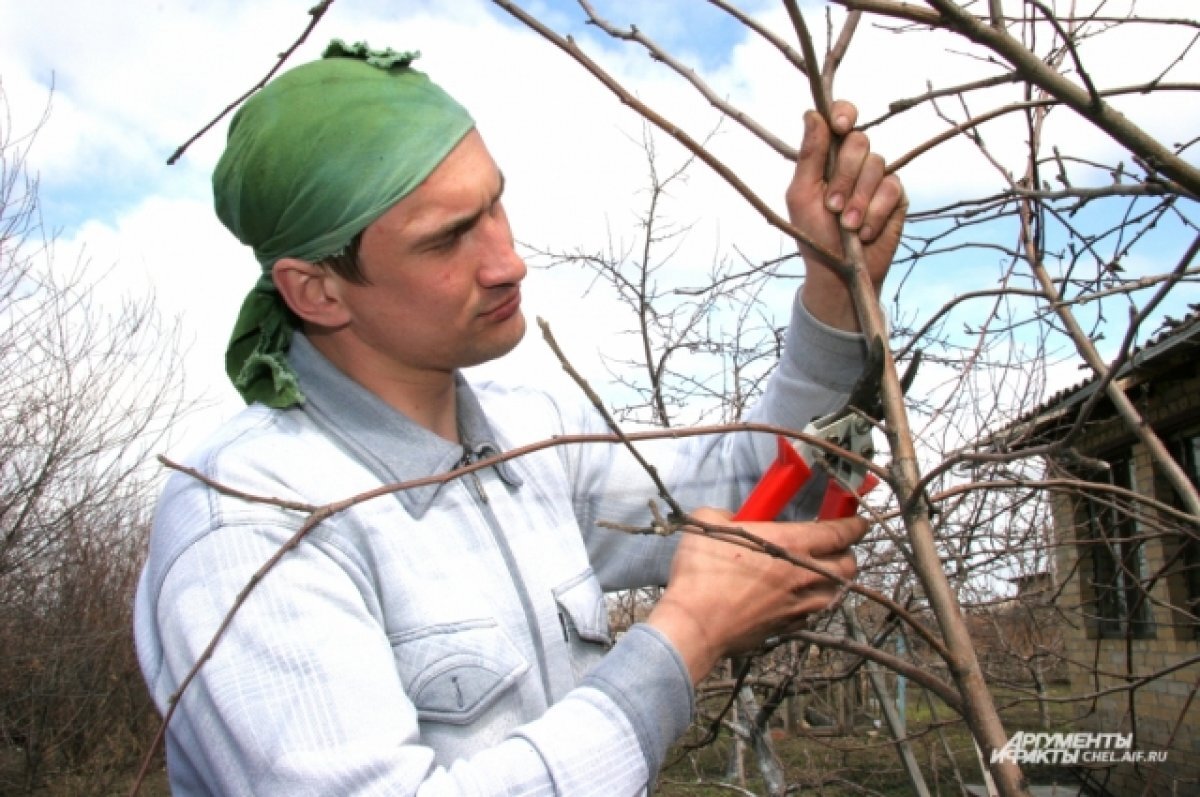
302	696
816	372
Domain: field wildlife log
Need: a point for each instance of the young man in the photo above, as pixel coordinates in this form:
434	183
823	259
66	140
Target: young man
451	638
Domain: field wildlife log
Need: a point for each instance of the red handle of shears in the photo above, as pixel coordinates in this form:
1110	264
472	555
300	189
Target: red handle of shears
840	502
783	480
778	485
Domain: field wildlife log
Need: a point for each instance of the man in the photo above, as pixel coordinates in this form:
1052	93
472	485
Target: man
451	638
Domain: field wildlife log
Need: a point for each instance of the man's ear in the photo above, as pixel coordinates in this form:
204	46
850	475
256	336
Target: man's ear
310	291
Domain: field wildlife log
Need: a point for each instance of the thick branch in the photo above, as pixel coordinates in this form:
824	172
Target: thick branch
1114	392
1091	107
979	709
892	662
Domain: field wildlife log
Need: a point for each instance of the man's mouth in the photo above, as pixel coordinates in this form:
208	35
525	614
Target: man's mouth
505	309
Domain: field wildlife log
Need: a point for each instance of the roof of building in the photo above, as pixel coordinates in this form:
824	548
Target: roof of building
1174	337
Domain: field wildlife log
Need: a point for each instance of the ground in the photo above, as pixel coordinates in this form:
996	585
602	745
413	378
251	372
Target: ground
866	762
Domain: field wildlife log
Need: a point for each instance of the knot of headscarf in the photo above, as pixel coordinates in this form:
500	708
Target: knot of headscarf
312	159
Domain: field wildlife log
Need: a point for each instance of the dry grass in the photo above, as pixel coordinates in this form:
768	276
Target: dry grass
863	762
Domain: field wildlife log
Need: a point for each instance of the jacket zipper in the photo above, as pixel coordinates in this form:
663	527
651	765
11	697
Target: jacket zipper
514	574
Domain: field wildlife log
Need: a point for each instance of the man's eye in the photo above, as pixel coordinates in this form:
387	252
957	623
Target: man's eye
449	242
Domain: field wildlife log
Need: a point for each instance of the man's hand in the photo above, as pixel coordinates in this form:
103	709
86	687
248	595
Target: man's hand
724	599
859	198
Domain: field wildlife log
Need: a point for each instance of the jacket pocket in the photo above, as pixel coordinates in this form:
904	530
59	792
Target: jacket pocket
584	617
454	672
582	608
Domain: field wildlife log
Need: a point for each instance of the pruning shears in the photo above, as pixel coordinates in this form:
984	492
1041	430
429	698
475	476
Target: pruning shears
848	428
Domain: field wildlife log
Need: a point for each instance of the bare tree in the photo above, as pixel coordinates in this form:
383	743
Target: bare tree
700	344
86	393
1070	234
982	471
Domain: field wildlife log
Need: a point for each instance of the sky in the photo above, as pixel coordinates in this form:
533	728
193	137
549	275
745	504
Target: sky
126	83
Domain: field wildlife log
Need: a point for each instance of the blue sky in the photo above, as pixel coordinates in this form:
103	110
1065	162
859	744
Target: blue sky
132	80
54	48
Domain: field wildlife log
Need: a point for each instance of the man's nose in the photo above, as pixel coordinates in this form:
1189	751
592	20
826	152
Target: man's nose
502	265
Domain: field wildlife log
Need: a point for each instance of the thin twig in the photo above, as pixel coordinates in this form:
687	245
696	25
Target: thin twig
659	54
782	46
568	45
1033	69
316	12
651	471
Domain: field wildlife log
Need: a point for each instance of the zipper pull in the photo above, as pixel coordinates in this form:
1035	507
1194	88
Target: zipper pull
562	620
466	459
479	487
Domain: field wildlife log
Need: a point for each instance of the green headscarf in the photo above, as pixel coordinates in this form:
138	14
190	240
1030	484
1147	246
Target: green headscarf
313	158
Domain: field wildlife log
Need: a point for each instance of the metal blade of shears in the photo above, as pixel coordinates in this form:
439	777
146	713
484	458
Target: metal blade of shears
796	462
799	461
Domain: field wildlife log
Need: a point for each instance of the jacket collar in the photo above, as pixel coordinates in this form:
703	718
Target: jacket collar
388	443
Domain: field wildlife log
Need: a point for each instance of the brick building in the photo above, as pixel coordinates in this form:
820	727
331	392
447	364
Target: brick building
1129	569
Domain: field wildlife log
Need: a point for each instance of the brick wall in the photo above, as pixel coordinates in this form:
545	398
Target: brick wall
1164	712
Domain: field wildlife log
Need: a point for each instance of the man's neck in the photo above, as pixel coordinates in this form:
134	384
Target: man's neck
427	398
433	406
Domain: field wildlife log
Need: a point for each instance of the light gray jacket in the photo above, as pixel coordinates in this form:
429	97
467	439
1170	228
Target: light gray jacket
446	639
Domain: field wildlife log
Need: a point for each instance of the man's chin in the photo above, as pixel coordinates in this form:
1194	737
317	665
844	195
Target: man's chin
504	341
518	332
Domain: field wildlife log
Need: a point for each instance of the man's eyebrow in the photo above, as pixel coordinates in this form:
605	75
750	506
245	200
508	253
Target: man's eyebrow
457	227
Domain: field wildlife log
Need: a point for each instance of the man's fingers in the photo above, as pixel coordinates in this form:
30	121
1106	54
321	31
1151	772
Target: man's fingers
870	175
840	567
827	541
816	598
810	163
816	592
887	205
846	172
844	115
713	515
830	537
844	564
818	538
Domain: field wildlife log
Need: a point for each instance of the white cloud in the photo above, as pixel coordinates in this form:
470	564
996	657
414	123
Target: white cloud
175	251
134	79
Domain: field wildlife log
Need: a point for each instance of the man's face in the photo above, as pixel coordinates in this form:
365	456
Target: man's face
444	279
